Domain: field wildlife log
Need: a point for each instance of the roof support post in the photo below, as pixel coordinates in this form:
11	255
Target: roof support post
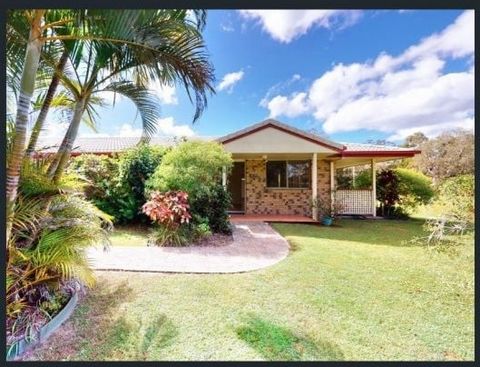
374	189
224	177
332	184
314	186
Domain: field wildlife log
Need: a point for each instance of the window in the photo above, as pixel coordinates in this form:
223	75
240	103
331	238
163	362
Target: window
288	174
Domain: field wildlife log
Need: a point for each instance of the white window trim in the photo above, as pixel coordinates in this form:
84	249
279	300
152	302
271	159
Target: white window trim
309	187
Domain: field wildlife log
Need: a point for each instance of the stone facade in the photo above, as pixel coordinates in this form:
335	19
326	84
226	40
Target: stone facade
262	200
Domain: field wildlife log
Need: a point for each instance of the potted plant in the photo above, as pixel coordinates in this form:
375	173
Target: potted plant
326	213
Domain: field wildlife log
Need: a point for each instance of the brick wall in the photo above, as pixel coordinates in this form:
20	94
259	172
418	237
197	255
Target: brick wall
261	200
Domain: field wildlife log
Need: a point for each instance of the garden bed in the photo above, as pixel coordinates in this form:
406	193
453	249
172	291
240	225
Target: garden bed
41	335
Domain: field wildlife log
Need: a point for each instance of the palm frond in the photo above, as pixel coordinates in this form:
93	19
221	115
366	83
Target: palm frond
146	102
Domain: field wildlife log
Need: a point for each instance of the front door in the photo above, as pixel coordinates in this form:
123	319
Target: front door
236	187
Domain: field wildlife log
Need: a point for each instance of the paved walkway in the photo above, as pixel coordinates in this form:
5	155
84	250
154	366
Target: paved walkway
255	246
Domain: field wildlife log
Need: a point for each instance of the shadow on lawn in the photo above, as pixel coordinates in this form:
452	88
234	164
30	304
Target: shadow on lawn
95	332
108	337
386	232
127	341
278	343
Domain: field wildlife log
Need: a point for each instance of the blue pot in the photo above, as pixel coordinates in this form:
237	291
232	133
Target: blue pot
327	221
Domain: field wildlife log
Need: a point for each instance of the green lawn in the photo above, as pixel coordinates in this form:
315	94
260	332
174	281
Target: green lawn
353	292
134	235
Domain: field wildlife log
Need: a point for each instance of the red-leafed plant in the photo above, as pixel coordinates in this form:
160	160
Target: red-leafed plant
170	209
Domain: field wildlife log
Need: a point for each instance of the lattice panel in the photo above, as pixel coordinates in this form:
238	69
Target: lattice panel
355	201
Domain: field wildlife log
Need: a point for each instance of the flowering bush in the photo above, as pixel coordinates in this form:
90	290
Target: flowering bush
169	209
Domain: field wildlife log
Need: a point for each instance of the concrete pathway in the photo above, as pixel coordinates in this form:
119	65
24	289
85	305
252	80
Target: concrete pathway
254	246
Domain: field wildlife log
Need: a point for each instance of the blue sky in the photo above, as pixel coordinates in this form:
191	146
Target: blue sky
350	75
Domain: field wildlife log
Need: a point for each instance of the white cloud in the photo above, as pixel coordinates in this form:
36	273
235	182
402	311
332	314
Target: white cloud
168	127
54	130
227	27
127	130
433	130
278	88
394	94
166	93
165	126
281	105
229	80
286	25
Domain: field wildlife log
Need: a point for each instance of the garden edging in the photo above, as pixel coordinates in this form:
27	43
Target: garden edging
45	331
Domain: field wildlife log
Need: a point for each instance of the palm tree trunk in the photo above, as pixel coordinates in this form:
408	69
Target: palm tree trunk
46	104
27	86
55	169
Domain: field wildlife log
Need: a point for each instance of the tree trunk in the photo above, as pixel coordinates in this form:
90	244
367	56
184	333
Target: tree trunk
27	86
46	104
56	168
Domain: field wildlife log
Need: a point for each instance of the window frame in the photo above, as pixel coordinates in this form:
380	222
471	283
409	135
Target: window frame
309	187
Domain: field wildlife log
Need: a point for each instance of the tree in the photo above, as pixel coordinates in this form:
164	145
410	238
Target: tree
414	188
450	154
415	140
162	45
381	142
27	86
194	166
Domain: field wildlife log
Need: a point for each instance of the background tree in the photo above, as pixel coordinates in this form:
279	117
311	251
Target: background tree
415	140
450	154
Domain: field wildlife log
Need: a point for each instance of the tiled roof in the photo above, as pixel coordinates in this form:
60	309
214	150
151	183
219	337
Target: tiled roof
100	145
357	147
116	144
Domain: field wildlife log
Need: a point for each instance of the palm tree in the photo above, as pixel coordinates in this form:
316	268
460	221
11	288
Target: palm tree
162	45
42	116
151	44
38	22
27	86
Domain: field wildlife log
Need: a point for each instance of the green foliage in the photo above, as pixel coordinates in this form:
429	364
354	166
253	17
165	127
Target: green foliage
192	166
387	192
212	206
457	196
114	183
414	188
52	227
164	235
363	180
135	167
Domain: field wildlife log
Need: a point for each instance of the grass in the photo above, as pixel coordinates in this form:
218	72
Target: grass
133	235
353	292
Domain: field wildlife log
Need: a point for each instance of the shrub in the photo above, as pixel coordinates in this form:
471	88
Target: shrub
135	166
212	206
414	188
117	184
387	192
105	188
457	196
170	211
52	226
363	180
192	166
163	235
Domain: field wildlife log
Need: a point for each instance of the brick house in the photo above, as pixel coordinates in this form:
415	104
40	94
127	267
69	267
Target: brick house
278	169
